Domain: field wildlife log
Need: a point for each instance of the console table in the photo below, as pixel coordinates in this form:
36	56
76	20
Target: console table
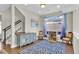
25	38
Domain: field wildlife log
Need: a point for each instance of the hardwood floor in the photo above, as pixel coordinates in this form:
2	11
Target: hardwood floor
18	49
68	49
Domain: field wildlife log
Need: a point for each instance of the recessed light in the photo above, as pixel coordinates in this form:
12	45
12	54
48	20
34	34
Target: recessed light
58	6
42	5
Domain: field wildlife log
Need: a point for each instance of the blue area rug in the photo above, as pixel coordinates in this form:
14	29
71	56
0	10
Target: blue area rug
45	47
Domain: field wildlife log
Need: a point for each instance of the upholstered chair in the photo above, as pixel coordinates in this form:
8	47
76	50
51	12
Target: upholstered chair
41	35
68	38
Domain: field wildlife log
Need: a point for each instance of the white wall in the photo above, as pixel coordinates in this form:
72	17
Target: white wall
0	27
76	30
76	20
6	18
0	24
28	16
69	21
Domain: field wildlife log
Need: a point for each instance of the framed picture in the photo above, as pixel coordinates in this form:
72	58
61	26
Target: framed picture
34	23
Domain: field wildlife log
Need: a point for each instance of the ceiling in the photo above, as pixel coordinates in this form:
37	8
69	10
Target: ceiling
50	8
3	7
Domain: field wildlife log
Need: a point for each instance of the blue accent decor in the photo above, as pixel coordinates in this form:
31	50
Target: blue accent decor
59	33
45	47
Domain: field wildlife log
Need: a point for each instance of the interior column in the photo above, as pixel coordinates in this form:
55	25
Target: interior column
13	26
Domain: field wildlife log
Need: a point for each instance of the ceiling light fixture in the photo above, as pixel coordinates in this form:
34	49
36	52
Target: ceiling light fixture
58	6
42	5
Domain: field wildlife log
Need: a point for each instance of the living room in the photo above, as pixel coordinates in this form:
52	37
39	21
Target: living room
39	28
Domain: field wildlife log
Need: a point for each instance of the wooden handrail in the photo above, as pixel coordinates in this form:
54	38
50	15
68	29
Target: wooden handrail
9	27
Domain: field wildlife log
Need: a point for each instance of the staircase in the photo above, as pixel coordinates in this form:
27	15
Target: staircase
7	34
19	27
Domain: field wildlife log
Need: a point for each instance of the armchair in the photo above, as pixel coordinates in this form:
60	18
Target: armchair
68	38
40	36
